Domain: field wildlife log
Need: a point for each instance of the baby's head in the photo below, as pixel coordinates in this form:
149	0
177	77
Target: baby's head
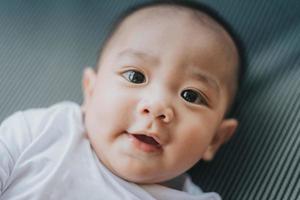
165	80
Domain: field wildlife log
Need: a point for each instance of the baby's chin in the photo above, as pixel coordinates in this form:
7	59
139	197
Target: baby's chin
140	177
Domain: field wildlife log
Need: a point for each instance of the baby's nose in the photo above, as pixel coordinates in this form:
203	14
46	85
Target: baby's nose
157	109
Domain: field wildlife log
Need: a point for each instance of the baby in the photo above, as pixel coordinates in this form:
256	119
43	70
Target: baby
156	104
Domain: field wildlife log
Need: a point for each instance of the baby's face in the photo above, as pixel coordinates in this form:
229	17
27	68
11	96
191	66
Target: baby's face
157	103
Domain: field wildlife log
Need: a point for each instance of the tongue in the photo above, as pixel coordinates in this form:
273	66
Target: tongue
147	139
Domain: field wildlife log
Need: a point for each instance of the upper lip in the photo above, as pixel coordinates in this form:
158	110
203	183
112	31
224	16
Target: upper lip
154	135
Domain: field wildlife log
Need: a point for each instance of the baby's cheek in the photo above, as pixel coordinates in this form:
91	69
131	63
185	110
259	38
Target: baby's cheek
194	136
184	155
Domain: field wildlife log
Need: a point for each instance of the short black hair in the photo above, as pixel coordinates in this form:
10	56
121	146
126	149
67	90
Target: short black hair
194	6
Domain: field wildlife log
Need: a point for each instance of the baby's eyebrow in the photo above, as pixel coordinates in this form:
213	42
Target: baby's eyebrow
206	78
138	54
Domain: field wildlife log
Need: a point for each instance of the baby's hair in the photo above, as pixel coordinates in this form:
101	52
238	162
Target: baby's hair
192	6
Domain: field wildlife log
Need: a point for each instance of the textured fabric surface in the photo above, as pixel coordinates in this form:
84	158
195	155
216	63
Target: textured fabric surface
45	46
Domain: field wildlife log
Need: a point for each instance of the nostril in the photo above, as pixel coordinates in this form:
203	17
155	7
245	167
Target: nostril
146	111
162	117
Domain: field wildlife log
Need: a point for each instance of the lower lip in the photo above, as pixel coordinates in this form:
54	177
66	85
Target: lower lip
143	146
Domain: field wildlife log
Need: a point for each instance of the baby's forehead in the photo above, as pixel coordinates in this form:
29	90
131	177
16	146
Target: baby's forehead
159	17
187	17
177	13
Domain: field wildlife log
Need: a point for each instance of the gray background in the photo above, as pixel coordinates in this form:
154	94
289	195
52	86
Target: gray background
45	45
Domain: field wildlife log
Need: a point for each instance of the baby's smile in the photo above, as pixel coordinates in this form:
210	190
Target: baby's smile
146	142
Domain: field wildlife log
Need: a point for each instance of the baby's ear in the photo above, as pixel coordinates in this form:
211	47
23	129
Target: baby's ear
88	84
223	134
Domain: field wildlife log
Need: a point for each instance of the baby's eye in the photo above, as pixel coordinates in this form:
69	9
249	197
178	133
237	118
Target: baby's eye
193	96
134	76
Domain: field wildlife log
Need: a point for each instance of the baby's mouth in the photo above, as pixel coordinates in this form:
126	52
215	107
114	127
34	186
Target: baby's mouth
146	143
146	139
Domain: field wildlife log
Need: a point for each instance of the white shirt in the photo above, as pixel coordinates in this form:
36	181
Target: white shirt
44	154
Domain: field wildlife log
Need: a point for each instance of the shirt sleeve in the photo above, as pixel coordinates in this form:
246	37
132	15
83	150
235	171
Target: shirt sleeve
13	139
